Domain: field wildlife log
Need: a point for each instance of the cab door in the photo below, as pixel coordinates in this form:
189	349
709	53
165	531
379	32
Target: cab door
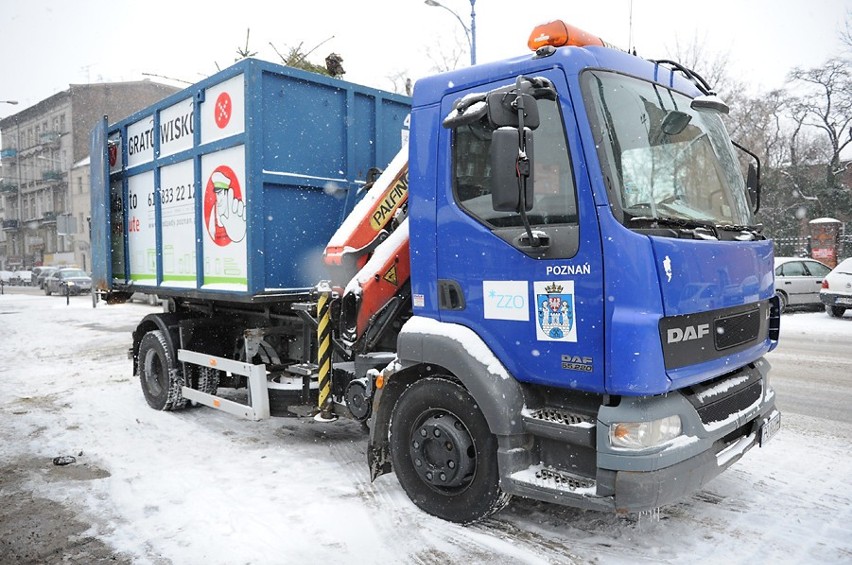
539	308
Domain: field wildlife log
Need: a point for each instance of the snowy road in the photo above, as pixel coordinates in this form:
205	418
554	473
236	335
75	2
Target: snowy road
202	487
812	366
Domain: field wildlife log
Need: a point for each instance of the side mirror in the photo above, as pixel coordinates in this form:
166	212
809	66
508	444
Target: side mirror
753	187
675	122
752	178
509	173
710	102
502	107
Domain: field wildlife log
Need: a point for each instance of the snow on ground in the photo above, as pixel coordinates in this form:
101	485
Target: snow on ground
199	486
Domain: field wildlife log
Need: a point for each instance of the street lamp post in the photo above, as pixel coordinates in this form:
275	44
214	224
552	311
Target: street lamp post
470	32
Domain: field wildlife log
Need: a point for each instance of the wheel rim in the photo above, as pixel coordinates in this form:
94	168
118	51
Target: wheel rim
443	452
152	372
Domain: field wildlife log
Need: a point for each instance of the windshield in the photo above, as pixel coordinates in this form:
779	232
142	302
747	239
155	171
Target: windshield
661	158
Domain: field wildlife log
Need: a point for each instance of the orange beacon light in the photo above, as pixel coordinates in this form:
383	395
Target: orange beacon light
557	33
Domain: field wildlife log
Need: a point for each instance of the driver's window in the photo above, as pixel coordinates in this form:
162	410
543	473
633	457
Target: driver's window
555	199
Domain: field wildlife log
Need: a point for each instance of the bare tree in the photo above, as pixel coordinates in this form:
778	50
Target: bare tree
846	32
711	66
401	82
447	57
826	104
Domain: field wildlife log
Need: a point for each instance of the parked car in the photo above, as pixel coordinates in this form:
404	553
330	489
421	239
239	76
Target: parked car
836	292
798	281
6	277
149	299
22	278
34	276
75	280
42	273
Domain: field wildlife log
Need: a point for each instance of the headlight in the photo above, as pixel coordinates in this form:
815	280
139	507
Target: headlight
639	435
71	283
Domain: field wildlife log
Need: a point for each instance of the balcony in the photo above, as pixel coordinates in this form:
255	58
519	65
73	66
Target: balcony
10	225
10	153
52	176
48	218
50	138
7	187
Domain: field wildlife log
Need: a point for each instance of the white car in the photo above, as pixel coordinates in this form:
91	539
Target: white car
836	292
798	281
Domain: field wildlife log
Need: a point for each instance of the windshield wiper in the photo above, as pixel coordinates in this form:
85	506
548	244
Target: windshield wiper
683	223
756	231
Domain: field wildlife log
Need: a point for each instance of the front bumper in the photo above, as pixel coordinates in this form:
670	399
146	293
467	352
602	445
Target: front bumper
641	491
721	422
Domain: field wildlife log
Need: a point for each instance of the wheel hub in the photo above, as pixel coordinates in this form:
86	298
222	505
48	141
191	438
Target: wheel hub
442	451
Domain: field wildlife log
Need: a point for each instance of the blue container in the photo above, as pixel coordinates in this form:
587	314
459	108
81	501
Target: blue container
233	186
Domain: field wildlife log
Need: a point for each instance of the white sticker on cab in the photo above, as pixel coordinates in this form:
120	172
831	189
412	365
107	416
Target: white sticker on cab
506	300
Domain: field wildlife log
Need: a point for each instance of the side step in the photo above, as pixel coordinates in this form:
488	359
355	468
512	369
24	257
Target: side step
552	485
560	425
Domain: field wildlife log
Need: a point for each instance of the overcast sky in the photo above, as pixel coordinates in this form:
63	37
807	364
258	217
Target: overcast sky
47	45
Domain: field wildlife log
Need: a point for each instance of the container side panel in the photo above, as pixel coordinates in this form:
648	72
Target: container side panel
177	201
365	148
304	127
392	129
118	234
141	228
101	206
140	141
225	208
176	127
298	223
223	110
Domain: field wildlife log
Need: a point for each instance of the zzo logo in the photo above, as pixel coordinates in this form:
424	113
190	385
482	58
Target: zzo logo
506	300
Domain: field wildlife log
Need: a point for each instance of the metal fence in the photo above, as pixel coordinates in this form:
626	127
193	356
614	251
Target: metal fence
801	246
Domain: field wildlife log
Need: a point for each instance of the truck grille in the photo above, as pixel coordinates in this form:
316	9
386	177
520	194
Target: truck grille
717	400
737	329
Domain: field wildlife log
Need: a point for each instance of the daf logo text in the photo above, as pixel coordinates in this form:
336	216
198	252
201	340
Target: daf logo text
689	333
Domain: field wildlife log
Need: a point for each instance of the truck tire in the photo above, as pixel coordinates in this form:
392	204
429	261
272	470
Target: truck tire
782	301
160	385
443	452
835	311
208	379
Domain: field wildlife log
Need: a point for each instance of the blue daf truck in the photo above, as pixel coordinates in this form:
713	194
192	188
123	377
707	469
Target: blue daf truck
537	277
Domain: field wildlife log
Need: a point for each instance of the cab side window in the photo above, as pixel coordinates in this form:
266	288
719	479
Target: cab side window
555	196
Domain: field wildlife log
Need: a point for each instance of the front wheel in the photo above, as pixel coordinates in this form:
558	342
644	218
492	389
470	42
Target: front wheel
782	301
835	311
160	384
443	452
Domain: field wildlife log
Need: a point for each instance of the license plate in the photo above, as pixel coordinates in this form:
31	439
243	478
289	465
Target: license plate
843	300
769	428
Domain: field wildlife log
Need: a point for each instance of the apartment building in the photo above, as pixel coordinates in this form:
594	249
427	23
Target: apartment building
44	171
